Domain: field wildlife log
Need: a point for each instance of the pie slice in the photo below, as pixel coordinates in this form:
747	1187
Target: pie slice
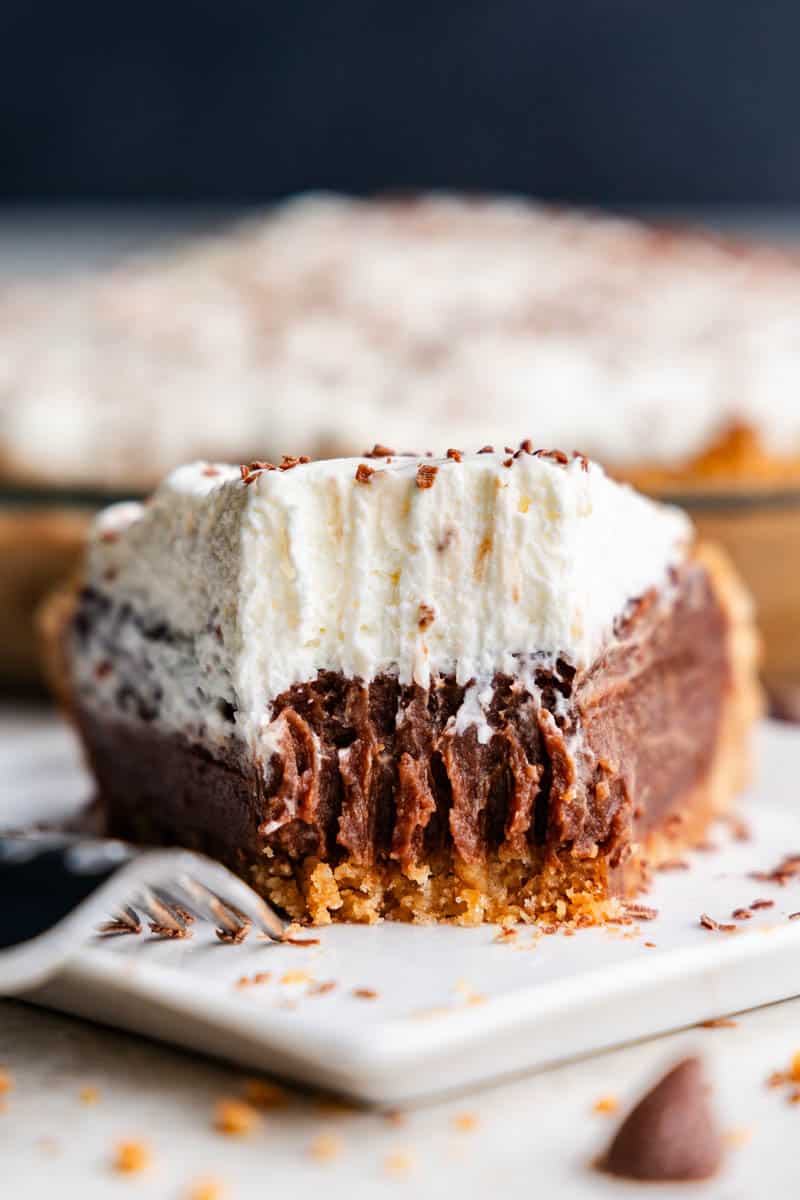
486	687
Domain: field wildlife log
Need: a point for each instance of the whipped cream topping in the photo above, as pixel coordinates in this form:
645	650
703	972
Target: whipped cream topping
331	321
417	566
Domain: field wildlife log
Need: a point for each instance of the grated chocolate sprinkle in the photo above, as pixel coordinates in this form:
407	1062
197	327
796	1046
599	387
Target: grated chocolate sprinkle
379	451
364	473
169	932
456	455
557	455
708	922
252	471
486	450
235	935
426	475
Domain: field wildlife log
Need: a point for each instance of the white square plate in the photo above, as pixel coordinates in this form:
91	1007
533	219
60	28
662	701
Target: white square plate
454	1007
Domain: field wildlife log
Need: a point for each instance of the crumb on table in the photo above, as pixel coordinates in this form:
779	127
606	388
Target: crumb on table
465	1122
205	1189
131	1157
399	1162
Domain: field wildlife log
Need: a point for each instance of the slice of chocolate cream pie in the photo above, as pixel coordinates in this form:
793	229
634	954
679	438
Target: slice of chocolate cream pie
484	688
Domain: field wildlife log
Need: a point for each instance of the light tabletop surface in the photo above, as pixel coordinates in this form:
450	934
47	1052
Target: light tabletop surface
532	1137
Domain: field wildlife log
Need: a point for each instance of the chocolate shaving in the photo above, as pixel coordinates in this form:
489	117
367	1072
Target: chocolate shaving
756	904
426	475
252	472
125	921
456	455
786	869
234	936
379	451
365	993
288	462
641	912
582	459
364	473
508	462
486	450
741	914
169	932
708	922
671	1134
557	455
526	446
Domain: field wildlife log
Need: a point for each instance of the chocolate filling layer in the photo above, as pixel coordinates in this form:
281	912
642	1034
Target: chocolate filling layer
582	762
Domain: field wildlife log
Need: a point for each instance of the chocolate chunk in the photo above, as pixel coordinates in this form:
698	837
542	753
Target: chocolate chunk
671	1134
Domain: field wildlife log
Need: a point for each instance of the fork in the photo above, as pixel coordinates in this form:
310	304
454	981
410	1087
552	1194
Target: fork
56	890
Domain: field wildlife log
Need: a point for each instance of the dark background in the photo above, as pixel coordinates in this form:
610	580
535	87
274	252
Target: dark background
607	101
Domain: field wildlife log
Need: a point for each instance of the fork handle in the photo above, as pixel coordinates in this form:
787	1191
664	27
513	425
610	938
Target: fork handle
44	877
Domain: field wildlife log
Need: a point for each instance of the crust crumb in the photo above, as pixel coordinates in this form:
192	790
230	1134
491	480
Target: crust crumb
206	1189
295	976
326	1147
399	1162
235	1118
737	1137
131	1157
465	1122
